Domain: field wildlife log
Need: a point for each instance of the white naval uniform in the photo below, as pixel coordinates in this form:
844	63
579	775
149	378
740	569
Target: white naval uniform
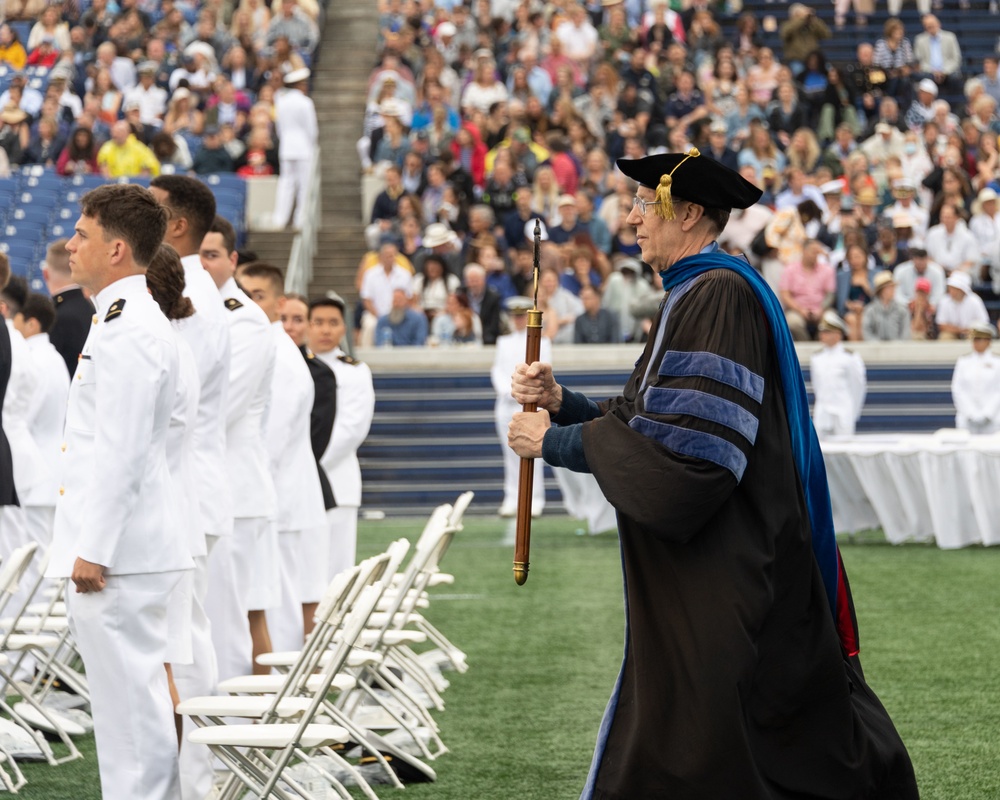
839	382
207	335
355	410
181	463
510	350
975	391
253	547
45	423
296	482
28	462
118	508
298	135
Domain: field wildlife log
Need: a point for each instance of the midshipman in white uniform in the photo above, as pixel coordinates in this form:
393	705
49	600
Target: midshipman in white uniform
975	384
838	379
117	534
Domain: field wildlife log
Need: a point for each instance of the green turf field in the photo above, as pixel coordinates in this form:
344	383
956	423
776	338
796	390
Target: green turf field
543	657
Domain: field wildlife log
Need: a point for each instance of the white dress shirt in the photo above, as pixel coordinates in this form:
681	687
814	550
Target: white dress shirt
971	310
117	504
952	250
152	103
289	443
355	410
46	417
207	334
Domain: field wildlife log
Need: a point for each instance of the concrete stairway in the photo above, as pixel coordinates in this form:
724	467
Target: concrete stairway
340	88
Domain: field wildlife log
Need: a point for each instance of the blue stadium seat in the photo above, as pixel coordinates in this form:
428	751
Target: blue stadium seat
230	198
60	230
41	197
30	213
26	233
15	248
138	180
87	182
47	181
67	213
229	181
23	28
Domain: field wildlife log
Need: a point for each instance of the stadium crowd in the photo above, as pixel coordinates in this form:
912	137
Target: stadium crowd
880	175
140	87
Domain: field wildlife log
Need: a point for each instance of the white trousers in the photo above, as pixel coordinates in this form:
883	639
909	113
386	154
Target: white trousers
198	679
121	633
512	465
284	622
584	500
314	558
343	539
293	184
226	602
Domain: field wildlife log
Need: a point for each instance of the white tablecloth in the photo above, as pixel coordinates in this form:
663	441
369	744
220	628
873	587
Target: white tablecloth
942	487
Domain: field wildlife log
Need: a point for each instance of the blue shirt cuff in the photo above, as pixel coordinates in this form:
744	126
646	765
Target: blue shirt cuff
576	407
563	447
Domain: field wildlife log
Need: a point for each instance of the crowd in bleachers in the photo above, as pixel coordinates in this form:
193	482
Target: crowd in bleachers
879	169
93	90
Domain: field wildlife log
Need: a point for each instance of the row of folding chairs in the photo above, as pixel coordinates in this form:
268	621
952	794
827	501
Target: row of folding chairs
352	707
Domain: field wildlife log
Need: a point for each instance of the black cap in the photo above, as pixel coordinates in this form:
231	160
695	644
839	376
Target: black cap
692	177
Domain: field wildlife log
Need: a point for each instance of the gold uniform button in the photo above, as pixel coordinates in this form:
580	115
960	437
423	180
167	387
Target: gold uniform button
64	447
62	490
95	319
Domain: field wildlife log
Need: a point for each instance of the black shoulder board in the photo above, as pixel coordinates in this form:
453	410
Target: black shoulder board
232	304
115	310
348	360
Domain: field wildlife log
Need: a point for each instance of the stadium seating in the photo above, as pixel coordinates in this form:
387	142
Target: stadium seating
37	207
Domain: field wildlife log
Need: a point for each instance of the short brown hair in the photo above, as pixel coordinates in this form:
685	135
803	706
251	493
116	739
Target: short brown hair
191	199
57	257
223	226
165	279
260	269
129	212
4	271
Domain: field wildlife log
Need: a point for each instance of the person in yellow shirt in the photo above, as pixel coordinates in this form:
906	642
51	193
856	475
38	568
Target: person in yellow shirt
12	52
125	156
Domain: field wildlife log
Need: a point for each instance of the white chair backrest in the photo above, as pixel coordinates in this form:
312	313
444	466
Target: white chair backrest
14	567
458	510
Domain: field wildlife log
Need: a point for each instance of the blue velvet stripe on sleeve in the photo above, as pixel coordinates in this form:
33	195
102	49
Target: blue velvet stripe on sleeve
576	407
563	447
718	368
662	400
696	444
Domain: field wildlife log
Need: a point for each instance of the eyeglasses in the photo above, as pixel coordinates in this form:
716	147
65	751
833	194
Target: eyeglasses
642	205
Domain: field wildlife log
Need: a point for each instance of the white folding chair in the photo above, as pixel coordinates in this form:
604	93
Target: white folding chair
271	746
11	640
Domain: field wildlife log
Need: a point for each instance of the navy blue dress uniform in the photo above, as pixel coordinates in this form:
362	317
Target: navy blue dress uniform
8	495
73	322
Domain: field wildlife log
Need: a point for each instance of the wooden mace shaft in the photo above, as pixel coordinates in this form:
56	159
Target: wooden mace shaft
522	544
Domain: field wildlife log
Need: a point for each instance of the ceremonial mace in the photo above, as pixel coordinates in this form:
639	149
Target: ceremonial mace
532	352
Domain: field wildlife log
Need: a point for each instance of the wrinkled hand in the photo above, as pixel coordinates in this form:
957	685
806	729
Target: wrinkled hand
88	577
534	383
526	432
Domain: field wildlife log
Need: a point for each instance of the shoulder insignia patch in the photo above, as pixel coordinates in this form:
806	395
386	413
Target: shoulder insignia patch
115	311
348	360
232	303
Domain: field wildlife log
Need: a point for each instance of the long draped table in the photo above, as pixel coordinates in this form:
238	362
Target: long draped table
942	487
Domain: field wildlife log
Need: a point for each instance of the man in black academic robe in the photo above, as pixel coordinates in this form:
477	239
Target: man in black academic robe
8	495
738	680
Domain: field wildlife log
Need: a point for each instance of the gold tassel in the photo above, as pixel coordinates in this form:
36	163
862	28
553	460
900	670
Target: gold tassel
665	209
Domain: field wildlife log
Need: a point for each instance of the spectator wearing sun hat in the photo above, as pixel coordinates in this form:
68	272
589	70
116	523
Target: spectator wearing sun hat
960	308
985	227
884	318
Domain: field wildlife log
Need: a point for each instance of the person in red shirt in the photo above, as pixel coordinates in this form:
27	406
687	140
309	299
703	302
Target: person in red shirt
45	55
